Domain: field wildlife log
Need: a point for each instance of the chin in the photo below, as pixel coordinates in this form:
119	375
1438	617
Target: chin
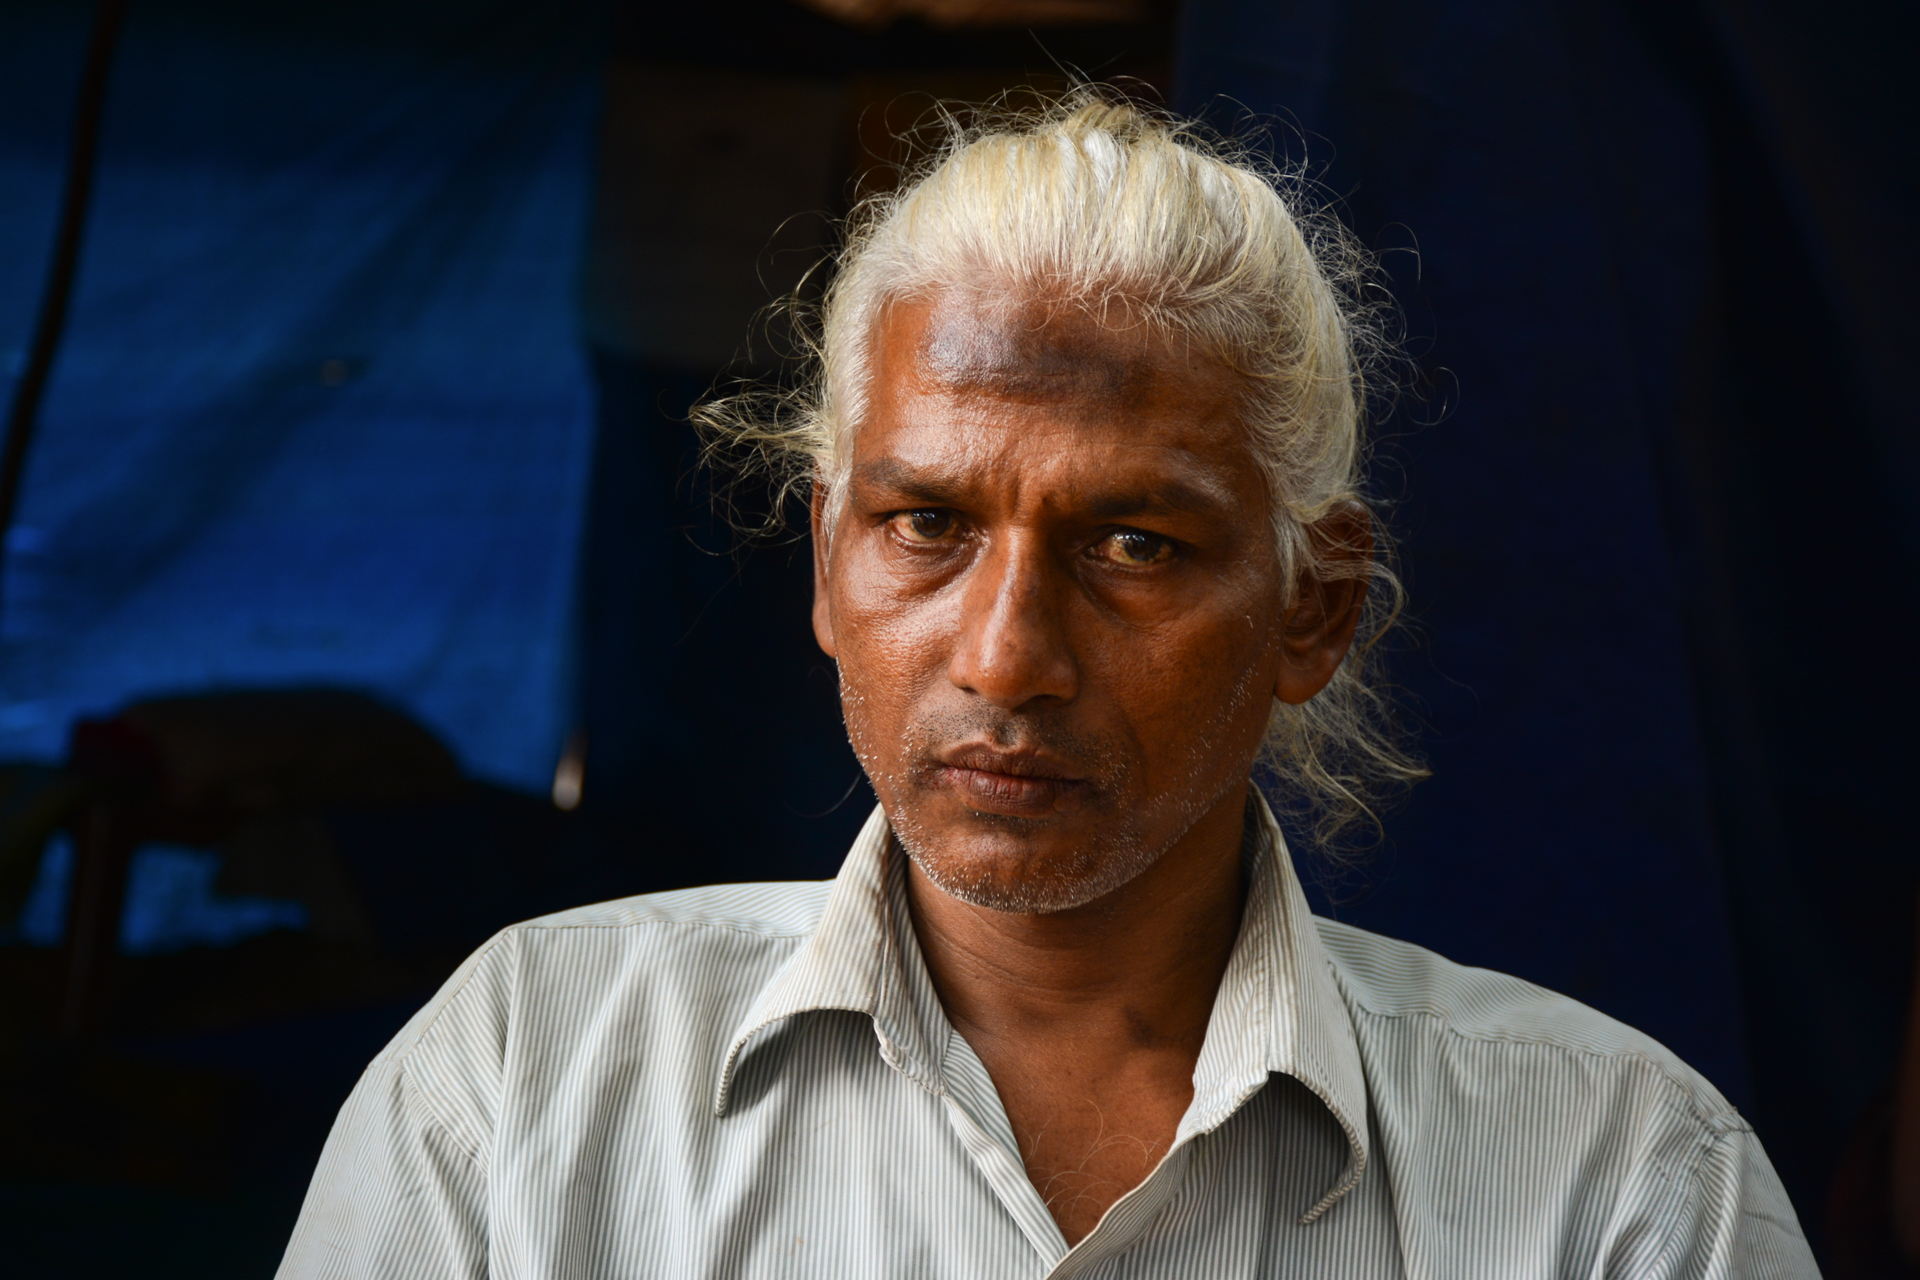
999	871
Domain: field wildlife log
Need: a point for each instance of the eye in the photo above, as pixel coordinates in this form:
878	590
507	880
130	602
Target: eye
1134	547
927	524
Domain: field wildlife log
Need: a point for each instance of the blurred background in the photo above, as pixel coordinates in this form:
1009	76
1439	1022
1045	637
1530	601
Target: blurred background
362	593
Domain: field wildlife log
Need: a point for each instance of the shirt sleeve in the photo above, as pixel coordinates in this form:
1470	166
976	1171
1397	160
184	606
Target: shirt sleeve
401	1192
396	1196
1732	1221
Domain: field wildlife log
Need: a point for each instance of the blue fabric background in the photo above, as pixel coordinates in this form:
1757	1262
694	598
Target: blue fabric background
321	413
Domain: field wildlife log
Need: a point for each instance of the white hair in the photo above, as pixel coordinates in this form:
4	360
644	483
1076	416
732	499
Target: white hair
1105	205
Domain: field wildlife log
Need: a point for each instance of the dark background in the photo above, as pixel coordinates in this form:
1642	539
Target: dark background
385	327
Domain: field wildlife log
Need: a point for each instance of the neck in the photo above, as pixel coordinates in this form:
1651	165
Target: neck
1137	967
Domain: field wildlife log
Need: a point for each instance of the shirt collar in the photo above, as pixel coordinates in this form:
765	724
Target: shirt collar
856	960
1278	1009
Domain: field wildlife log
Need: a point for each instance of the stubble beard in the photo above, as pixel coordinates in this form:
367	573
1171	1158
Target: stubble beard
1085	875
1135	839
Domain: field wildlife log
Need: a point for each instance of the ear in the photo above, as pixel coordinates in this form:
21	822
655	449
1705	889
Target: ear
1318	629
822	607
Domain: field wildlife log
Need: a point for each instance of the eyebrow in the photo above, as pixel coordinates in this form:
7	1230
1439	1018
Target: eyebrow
936	486
1170	497
940	486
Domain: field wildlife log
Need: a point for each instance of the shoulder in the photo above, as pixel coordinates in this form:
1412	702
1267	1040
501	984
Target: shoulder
721	933
1500	1102
668	968
1521	1037
771	910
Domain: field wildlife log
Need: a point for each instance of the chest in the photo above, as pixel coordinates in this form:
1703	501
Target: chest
830	1163
1087	1137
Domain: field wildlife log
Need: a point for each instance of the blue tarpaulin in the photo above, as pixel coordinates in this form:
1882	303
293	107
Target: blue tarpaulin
321	413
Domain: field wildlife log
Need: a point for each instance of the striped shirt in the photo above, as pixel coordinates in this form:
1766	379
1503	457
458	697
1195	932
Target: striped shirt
759	1080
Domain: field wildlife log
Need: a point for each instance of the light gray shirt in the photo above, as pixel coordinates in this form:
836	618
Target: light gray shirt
759	1080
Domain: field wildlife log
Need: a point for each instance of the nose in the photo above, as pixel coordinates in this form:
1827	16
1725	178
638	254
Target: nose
1014	649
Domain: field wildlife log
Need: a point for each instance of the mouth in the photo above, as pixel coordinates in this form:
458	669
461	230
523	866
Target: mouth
1016	783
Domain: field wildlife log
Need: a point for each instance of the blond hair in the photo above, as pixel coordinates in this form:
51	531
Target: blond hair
1104	204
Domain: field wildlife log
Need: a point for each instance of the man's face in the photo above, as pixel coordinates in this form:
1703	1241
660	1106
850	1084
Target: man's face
1053	595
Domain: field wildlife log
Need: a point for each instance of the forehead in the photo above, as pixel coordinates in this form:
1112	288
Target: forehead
1036	350
982	379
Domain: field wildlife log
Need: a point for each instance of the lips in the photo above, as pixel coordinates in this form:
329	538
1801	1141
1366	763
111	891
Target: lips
1021	784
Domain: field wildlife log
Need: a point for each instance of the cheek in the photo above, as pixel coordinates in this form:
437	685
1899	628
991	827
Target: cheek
890	648
1202	684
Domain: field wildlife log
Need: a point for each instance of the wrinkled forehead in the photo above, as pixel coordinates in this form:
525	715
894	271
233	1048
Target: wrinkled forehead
1057	403
1037	348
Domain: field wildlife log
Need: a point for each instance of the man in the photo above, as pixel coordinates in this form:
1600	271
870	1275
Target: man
1088	530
